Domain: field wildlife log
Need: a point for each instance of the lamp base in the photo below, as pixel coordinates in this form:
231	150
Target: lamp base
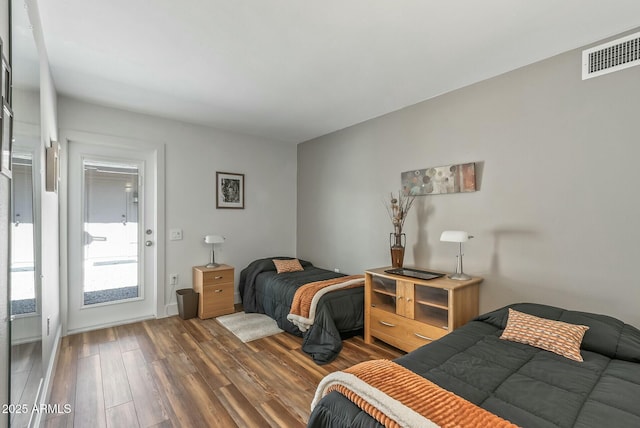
459	276
213	265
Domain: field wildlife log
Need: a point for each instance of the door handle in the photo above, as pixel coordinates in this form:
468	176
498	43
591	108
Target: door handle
89	238
148	243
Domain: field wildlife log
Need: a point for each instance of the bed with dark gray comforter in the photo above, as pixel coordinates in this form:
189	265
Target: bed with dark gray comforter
339	313
525	385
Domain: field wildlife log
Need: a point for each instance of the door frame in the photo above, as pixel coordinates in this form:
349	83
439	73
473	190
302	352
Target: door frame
158	153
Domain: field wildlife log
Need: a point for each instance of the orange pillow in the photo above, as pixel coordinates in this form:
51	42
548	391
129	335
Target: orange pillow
556	336
287	265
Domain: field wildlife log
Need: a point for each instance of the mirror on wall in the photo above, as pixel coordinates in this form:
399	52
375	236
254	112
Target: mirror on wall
25	286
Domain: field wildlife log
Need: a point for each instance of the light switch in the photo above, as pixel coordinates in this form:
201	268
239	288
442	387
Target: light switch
175	234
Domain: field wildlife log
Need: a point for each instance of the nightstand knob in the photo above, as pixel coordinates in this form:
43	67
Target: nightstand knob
217	291
217	277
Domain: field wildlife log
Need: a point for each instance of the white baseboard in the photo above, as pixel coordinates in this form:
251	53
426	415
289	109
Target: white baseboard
111	324
170	310
26	340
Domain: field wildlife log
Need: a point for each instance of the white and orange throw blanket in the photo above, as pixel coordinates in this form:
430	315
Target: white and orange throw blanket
398	397
305	301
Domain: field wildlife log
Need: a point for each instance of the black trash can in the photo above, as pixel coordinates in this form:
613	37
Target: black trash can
187	303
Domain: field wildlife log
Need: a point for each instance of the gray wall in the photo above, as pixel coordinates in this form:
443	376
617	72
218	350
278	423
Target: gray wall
557	216
266	227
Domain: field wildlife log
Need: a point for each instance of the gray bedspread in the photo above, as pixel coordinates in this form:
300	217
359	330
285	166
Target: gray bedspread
338	314
526	385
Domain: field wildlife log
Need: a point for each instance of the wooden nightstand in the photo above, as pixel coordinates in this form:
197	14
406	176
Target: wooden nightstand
409	312
215	286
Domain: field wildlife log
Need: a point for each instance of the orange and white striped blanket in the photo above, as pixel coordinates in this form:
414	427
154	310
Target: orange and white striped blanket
397	397
305	300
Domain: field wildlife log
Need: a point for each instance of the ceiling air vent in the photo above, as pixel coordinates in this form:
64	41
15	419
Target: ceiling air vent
611	56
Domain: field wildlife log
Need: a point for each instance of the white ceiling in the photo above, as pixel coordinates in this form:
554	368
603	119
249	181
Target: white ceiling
292	70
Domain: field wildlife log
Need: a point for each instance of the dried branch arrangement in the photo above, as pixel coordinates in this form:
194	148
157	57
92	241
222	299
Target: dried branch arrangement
398	208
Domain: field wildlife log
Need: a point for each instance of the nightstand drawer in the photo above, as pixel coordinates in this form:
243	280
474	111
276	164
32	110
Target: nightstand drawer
218	300
217	277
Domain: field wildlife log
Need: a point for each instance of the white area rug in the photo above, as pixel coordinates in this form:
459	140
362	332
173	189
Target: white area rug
248	327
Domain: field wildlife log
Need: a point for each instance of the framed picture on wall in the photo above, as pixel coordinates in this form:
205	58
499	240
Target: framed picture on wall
229	190
52	167
6	140
6	81
6	116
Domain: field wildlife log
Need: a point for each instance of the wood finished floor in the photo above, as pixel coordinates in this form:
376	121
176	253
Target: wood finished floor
194	373
26	372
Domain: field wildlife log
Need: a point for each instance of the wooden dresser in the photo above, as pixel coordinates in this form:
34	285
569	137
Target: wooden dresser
407	312
215	286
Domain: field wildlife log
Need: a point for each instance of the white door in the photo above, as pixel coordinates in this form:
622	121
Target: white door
111	236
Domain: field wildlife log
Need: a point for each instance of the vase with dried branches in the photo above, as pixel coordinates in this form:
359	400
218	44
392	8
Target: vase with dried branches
398	208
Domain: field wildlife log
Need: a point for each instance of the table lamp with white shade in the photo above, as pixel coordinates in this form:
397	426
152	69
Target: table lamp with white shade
213	240
458	236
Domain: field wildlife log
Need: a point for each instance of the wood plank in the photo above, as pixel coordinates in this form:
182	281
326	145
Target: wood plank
149	349
165	424
213	412
204	365
59	421
162	334
276	378
91	340
197	330
239	408
90	410
114	376
146	398
123	415
127	338
279	416
175	396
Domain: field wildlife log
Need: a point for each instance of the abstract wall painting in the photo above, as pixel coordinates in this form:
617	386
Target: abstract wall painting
440	179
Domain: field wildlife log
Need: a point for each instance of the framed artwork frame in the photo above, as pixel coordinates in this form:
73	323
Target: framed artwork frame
6	139
459	178
6	81
229	190
6	116
52	169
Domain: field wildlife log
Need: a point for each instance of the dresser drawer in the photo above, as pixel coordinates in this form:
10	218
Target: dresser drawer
217	277
401	332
